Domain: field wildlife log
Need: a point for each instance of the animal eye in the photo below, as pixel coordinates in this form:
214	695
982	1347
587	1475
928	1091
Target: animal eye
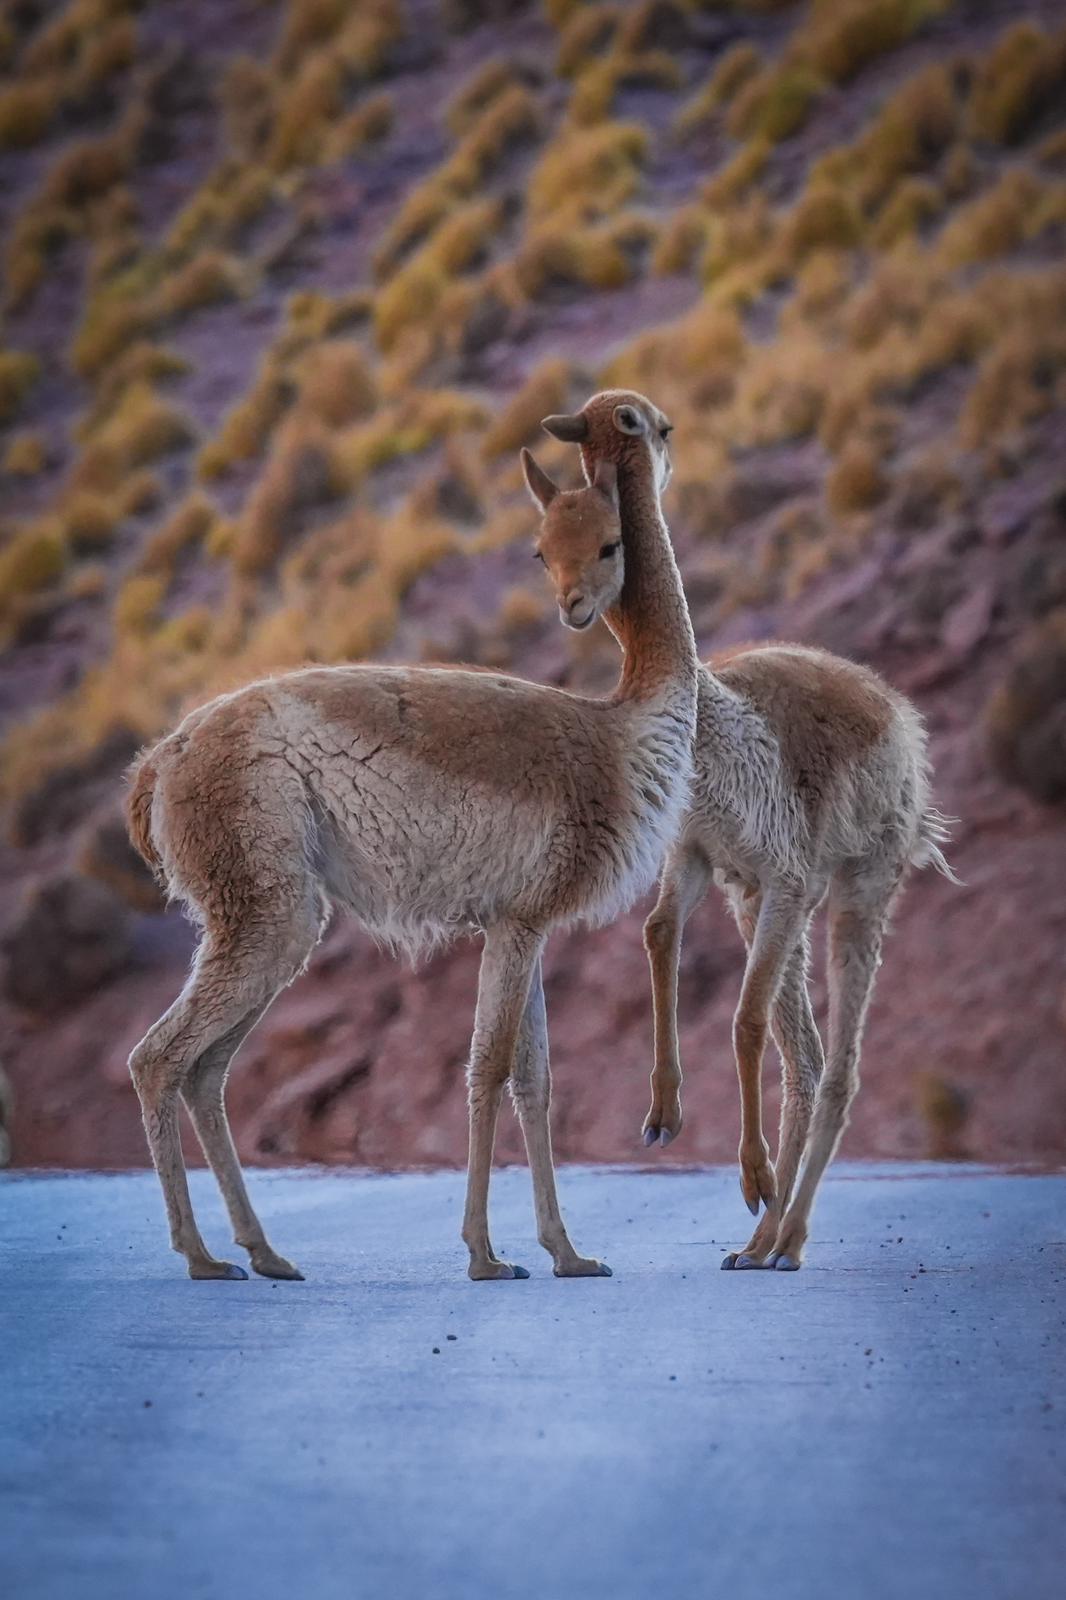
666	430
538	556
609	549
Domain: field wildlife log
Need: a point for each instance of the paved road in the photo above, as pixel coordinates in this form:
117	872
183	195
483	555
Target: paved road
887	1423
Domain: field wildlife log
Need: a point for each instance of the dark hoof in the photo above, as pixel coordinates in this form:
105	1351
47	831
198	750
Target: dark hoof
665	1137
650	1136
519	1272
786	1264
729	1261
745	1263
217	1269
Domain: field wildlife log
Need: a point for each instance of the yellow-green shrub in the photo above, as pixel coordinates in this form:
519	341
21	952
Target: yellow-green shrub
1020	79
209	279
337	383
31	559
774	103
593	169
587	33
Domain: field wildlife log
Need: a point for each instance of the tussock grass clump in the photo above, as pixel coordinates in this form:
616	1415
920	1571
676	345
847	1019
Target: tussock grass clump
312	315
856	481
596	88
545	391
89	522
209	279
734	181
681	241
31	560
25	455
911	206
409	299
821	219
508	122
247	428
336	384
492	79
842	36
142	427
588	169
368	123
1017	207
566	257
302	472
137	603
586	34
774	103
733	70
1020	378
190	525
1020	80
19	372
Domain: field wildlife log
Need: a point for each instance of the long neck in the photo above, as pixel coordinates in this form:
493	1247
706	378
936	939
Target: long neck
651	620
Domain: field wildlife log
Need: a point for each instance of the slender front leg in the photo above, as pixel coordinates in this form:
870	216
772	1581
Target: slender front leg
507	964
778	926
531	1092
800	1047
684	884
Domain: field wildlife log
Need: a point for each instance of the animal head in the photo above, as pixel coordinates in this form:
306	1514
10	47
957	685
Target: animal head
617	425
580	541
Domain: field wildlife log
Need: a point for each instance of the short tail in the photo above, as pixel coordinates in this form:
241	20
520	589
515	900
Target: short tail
934	831
139	813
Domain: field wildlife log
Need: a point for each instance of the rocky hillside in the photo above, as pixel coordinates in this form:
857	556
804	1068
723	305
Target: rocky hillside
286	285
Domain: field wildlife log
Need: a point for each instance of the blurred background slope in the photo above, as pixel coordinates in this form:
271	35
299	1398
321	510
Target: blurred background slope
285	287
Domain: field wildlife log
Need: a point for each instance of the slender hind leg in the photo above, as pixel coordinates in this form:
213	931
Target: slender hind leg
858	909
228	983
684	884
800	1048
204	1096
531	1092
507	964
778	925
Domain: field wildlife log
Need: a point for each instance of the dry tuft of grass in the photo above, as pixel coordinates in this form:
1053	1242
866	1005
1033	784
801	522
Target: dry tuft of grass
856	481
735	67
409	299
302	472
492	79
1020	378
588	170
587	34
143	427
546	390
565	257
1016	208
842	36
89	522
25	455
369	123
19	372
774	103
912	205
209	279
336	383
247	428
1021	80
190	525
596	88
31	560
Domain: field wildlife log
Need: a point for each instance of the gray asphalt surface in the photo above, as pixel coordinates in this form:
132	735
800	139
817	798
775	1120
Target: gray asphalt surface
886	1423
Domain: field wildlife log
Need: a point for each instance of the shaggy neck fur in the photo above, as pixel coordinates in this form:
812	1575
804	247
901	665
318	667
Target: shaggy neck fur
651	620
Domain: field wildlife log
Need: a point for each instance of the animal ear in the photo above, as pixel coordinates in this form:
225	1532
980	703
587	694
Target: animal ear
627	419
572	428
605	479
538	483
